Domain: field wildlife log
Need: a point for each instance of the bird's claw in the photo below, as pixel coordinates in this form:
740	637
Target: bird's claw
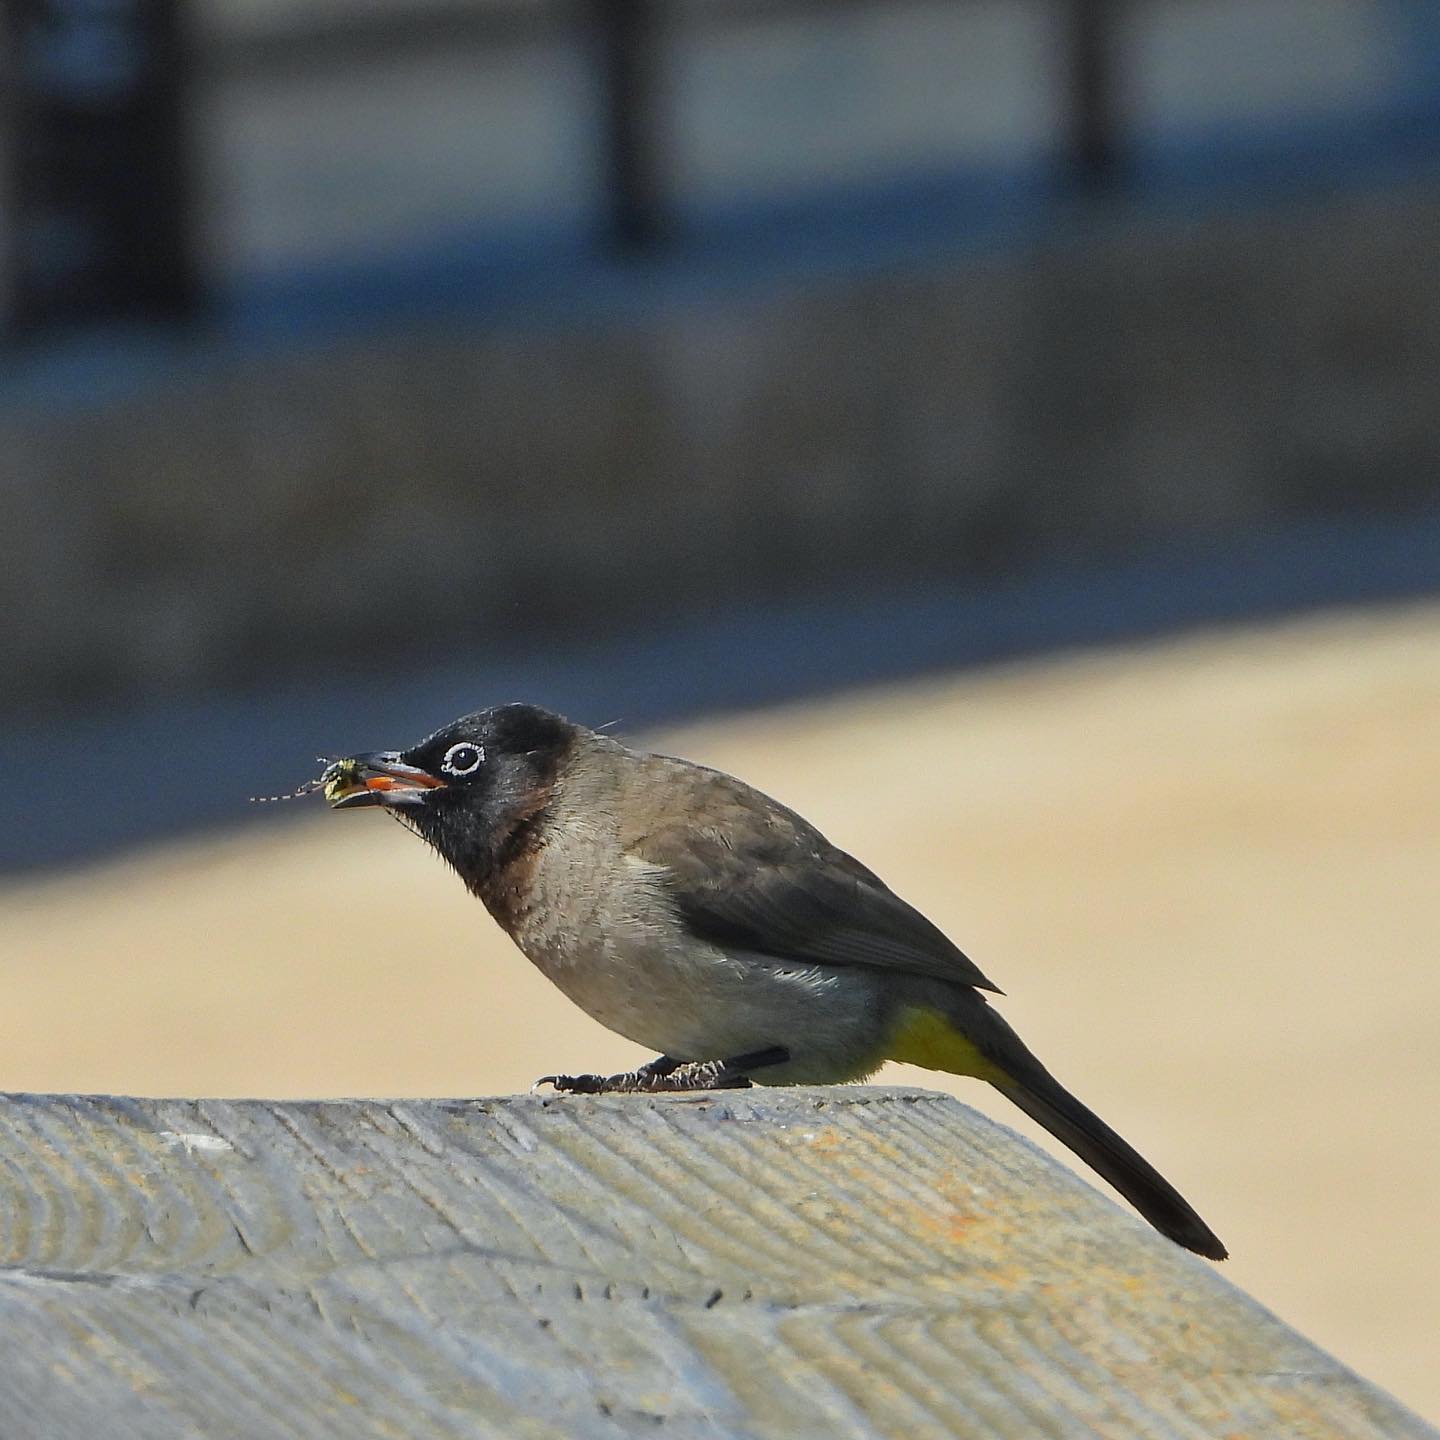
570	1084
653	1079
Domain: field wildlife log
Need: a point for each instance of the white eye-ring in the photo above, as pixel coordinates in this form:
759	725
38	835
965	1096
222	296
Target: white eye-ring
463	759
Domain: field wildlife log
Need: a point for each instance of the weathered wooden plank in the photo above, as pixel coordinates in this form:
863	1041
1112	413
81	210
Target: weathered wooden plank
836	1263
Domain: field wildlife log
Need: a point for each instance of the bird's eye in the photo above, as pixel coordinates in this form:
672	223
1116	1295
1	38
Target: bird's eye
462	759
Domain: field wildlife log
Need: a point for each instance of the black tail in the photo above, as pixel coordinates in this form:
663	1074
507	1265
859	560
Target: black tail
1043	1098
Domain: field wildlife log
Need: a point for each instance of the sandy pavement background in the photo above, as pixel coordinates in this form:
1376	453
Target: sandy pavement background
1206	871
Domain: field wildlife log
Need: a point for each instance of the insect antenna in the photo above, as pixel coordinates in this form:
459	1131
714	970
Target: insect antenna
308	788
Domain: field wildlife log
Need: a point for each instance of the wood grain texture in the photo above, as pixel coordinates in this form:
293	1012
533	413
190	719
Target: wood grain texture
789	1264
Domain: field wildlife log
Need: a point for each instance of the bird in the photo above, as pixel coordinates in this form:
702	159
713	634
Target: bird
699	918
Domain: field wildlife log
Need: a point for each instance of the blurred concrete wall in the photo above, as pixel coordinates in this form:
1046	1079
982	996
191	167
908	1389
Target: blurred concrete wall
248	513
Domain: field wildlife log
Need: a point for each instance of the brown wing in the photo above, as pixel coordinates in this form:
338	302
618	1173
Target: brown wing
746	872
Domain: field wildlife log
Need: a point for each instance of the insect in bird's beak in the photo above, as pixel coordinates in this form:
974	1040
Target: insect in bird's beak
376	778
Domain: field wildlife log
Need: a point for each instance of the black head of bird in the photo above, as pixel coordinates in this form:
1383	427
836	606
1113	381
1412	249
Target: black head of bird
468	788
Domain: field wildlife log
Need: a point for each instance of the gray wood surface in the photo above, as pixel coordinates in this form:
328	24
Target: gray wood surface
826	1263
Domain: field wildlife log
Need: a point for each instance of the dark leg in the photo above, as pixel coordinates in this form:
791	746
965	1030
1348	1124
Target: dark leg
665	1074
647	1077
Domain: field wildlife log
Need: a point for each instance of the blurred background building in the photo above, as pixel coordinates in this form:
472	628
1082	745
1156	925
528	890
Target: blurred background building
366	361
439	323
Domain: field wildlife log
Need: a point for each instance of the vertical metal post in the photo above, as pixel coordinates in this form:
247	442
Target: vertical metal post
100	209
1093	158
628	43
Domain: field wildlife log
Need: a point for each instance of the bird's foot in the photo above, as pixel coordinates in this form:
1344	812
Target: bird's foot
647	1077
667	1075
706	1075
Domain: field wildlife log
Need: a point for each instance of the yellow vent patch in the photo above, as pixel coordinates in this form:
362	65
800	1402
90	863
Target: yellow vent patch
928	1039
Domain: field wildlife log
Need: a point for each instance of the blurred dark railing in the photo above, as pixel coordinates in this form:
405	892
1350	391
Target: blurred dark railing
101	212
1093	143
628	47
96	150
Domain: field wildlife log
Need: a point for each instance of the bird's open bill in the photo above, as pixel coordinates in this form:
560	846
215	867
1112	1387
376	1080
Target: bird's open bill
377	778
